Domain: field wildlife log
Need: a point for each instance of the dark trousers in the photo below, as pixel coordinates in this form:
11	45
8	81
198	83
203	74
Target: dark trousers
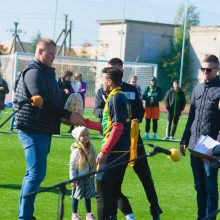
206	186
143	172
174	119
107	196
87	203
147	126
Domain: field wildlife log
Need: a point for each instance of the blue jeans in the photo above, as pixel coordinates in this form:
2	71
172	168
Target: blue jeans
206	186
12	123
36	147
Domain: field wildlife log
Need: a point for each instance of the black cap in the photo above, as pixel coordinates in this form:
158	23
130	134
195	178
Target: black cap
153	78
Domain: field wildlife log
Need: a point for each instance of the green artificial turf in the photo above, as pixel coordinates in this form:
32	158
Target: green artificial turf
173	180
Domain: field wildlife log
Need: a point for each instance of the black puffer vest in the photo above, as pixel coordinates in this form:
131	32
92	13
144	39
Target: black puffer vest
204	115
37	119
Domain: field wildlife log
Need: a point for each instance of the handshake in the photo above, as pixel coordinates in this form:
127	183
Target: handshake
74	104
74	119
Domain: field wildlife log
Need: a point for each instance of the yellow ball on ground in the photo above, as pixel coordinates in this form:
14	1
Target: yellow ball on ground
175	155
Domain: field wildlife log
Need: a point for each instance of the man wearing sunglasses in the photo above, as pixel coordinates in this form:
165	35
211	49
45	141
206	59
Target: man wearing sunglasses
204	119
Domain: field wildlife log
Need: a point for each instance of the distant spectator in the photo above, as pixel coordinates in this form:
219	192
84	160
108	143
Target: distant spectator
133	82
152	96
79	86
175	103
64	84
3	91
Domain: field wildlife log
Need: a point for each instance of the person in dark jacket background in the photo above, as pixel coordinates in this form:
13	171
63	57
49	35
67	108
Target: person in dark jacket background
152	96
204	119
175	102
141	167
3	91
64	84
100	100
37	124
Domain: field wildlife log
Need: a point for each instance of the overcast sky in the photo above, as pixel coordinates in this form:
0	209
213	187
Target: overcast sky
44	16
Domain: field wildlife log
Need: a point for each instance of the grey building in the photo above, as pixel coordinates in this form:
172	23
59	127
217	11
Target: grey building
203	40
134	40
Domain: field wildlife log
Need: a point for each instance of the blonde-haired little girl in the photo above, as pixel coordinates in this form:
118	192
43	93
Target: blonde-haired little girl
82	161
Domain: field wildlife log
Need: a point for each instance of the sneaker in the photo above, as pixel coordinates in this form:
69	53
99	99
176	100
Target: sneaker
90	216
166	138
130	216
172	138
146	137
76	216
154	136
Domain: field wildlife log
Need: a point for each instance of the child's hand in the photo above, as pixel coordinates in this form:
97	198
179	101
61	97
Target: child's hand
73	185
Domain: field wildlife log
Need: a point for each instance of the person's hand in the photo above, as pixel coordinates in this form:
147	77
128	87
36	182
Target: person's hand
205	160
66	91
76	119
101	158
135	120
183	149
73	184
209	152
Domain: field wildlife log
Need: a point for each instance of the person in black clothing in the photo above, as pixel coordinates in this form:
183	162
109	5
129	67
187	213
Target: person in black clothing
64	84
175	102
204	119
141	167
3	91
37	123
99	104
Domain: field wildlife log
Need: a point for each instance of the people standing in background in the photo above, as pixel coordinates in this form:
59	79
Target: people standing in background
152	96
79	86
133	81
3	91
175	102
82	161
204	119
64	84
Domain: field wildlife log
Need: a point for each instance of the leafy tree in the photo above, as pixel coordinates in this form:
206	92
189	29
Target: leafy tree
169	65
34	41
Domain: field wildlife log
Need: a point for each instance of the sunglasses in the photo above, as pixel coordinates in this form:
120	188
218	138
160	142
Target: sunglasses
208	70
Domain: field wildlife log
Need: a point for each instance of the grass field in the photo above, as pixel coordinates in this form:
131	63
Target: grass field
173	181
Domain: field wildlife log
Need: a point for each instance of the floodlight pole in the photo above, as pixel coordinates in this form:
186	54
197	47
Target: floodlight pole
122	28
183	45
55	19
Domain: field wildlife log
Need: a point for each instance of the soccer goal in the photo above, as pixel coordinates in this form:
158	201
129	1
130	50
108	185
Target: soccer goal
11	65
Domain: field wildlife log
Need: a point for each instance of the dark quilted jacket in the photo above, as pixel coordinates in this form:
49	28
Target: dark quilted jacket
45	119
204	115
